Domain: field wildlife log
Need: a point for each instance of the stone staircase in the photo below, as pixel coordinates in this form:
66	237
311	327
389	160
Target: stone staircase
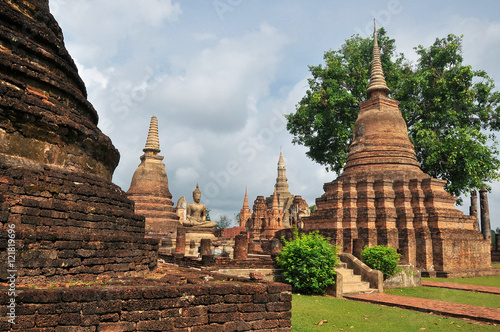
352	283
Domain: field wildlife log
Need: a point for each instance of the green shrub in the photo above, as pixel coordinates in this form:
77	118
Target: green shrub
308	261
382	258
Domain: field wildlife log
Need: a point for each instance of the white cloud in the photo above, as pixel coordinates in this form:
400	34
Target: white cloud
186	175
111	28
213	92
93	76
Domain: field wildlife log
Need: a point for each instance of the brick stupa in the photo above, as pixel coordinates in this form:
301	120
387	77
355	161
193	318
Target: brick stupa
383	197
150	193
55	164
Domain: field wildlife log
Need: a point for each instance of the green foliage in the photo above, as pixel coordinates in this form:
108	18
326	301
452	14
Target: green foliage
308	261
382	258
448	108
223	222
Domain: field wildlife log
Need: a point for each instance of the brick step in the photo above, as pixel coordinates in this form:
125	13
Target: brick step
344	271
356	287
352	278
352	283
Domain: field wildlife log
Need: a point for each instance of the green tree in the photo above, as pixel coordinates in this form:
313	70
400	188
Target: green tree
223	222
308	262
451	110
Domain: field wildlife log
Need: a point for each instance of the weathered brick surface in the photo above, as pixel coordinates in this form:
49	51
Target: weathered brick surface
53	243
221	262
174	309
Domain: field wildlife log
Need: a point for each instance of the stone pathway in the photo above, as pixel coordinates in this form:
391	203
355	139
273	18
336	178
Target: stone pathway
490	315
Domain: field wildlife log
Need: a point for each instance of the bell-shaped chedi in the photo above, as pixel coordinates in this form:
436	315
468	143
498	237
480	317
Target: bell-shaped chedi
383	197
45	115
149	189
55	164
380	137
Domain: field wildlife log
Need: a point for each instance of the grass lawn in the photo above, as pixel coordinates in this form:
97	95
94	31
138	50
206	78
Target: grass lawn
346	315
495	264
448	295
484	281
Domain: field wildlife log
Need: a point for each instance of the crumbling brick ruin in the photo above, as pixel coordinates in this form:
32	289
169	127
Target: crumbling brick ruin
279	211
66	225
56	165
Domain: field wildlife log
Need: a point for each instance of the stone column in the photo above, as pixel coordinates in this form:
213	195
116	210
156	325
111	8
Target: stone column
473	207
205	247
251	245
240	247
180	241
485	214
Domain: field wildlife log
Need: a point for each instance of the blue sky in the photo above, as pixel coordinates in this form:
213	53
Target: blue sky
220	74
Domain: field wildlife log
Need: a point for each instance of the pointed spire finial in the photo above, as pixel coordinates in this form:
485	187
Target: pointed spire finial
245	201
275	200
281	160
153	141
377	79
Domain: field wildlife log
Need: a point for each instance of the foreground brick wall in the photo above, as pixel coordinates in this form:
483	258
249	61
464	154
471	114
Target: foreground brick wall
70	224
208	307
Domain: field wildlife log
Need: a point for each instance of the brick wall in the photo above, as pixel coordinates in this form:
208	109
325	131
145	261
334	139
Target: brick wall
210	261
69	224
208	307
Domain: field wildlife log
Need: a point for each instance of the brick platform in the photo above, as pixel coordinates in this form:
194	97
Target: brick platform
208	307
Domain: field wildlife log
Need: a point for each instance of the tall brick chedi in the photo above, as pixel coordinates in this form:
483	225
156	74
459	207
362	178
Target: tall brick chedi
383	197
149	189
55	164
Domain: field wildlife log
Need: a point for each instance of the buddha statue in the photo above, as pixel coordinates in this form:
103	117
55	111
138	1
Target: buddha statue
196	213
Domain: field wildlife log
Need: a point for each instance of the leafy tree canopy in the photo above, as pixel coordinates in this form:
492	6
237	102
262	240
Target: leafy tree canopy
223	222
451	110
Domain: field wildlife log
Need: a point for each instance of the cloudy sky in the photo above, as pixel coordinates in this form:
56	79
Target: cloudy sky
219	75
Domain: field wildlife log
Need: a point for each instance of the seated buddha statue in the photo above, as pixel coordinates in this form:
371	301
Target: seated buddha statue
196	213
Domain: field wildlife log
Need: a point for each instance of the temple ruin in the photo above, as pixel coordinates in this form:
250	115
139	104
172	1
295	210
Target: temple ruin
279	211
74	254
383	197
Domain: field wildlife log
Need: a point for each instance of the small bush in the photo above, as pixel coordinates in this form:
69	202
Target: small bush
308	261
382	258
